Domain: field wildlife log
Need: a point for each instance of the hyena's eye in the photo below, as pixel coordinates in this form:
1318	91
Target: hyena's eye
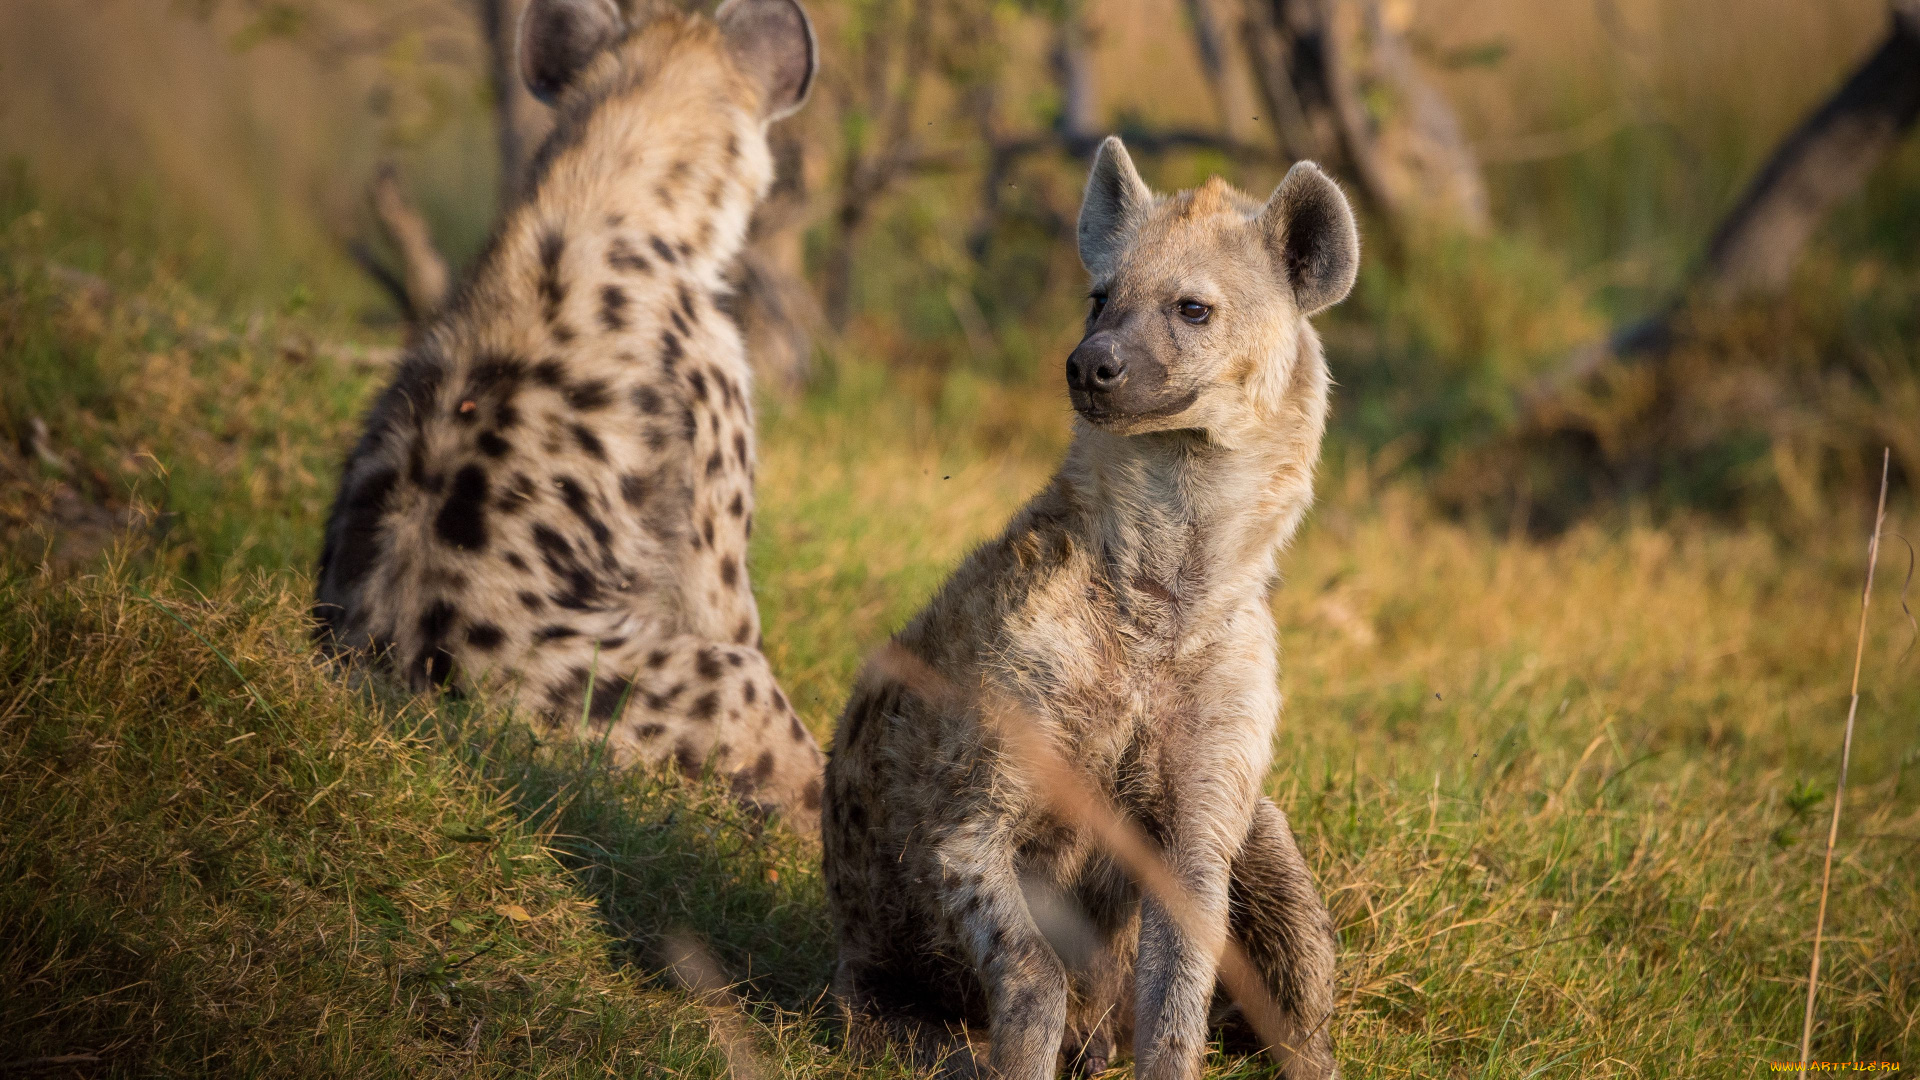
1099	304
1194	311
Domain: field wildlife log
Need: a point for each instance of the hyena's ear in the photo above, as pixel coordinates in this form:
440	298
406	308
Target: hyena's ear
558	38
1115	206
1309	228
772	40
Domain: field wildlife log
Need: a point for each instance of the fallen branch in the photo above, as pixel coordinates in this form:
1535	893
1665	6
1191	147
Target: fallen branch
1818	165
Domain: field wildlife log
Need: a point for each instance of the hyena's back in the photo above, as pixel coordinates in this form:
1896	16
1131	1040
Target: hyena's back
553	498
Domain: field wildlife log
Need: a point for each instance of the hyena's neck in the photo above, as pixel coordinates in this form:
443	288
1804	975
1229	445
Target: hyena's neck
647	191
1203	521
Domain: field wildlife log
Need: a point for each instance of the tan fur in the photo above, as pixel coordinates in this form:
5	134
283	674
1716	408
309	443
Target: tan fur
553	499
1125	610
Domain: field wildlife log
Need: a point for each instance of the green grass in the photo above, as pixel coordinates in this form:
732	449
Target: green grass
1565	798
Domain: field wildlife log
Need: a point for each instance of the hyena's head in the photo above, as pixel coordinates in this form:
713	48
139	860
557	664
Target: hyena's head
575	52
1200	299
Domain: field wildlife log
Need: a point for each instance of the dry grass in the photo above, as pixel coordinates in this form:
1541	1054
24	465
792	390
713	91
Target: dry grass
1561	795
1557	793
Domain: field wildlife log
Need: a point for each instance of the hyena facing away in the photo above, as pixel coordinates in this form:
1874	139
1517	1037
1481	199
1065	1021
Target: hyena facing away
1124	614
553	498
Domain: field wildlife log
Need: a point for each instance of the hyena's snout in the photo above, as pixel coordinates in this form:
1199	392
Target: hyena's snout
1113	380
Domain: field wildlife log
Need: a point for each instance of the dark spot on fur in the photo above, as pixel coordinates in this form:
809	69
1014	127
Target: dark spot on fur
706	526
656	438
793	727
518	494
577	501
810	794
742	632
686	303
699	383
714	462
750	692
556	632
608	695
433	660
707	664
660	701
514	560
633	489
657	659
661	249
729	571
550	372
740	447
689	425
589	443
485	636
552	292
670	350
622	256
704	706
562	333
492	445
738	507
462	521
589	395
763	766
647	400
680	324
688	761
532	602
613	307
651	730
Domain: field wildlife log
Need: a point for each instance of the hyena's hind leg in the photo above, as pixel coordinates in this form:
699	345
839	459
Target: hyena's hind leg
1288	935
699	704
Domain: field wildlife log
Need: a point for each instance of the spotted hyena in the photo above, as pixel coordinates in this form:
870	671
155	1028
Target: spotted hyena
554	496
1124	614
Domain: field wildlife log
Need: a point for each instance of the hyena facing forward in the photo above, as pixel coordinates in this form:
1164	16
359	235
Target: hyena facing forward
554	496
1125	613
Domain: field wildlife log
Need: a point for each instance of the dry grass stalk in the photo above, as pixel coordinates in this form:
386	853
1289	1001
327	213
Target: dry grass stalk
1846	751
700	974
1069	796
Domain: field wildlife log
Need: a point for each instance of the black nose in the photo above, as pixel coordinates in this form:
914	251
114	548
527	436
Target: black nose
1095	365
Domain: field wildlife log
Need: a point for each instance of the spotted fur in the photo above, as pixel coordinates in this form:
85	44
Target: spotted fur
553	497
1124	614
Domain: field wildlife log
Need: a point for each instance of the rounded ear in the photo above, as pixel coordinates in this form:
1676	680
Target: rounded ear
558	38
1310	231
1116	204
772	41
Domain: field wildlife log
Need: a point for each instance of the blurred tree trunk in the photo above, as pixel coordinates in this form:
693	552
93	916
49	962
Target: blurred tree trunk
877	111
1819	164
1318	63
1210	43
424	278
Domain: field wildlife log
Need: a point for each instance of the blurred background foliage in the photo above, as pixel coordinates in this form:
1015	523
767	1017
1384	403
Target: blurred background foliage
1532	177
